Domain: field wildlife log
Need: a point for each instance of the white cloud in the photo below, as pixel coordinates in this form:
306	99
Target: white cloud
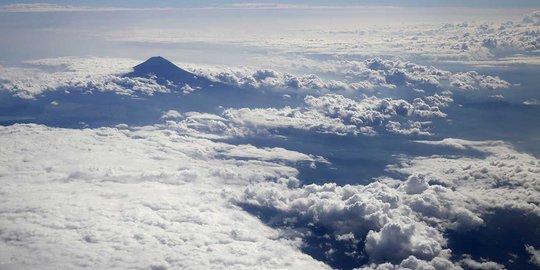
400	239
532	102
413	263
462	42
377	214
171	114
332	114
402	223
105	182
187	89
339	115
249	151
68	73
356	75
105	74
135	198
475	42
504	178
482	265
535	255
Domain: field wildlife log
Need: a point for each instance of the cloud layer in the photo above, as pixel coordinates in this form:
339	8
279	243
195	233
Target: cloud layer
466	42
144	198
505	178
105	75
95	189
356	75
333	114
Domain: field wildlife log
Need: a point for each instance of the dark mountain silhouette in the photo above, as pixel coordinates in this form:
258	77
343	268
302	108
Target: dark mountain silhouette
165	73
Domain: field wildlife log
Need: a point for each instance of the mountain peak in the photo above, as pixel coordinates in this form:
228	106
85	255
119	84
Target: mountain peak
167	73
157	58
161	68
155	63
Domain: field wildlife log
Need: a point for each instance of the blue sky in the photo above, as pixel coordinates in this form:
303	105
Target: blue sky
193	3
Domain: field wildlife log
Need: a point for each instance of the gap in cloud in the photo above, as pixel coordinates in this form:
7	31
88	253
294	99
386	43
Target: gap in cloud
318	241
503	239
516	124
356	160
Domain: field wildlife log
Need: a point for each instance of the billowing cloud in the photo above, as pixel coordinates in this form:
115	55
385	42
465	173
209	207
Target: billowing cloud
387	223
468	42
472	42
398	223
109	177
340	115
415	264
532	102
482	265
80	74
535	255
356	75
333	114
136	198
505	178
105	74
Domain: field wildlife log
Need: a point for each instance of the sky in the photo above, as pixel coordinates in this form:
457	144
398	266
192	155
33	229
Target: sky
270	134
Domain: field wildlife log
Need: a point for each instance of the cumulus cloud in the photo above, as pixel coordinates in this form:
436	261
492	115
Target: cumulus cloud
397	240
535	255
505	178
334	114
415	264
105	74
482	265
340	115
471	42
383	219
110	177
136	198
245	77
532	102
356	75
462	42
401	223
394	223
403	73
478	42
171	114
187	89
